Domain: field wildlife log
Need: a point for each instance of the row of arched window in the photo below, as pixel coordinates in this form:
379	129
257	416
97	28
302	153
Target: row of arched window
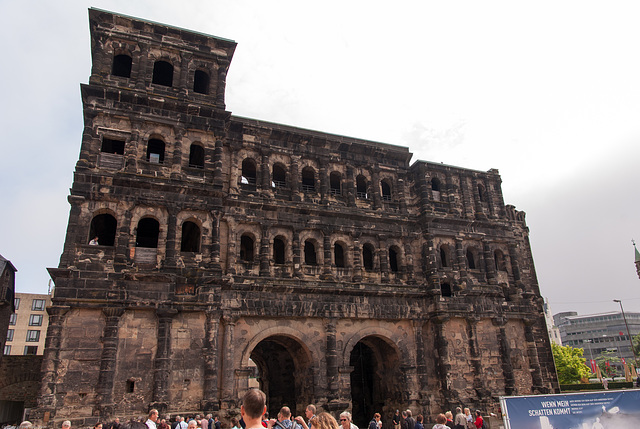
162	73
104	226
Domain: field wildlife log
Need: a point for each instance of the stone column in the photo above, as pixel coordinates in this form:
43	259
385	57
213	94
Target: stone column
222	83
443	366
294	178
490	196
401	196
122	242
176	163
326	247
408	261
480	214
183	78
297	254
532	351
264	251
131	148
214	252
375	189
324	185
467	197
383	253
421	362
350	187
217	165
490	264
227	393
460	264
162	363
172	243
356	252
265	177
505	355
210	402
104	388
142	69
49	399
475	358
333	376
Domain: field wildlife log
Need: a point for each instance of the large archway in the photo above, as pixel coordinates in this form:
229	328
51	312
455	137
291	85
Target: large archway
284	373
376	379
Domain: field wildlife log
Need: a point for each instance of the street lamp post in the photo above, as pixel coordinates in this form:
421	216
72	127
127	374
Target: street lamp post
635	358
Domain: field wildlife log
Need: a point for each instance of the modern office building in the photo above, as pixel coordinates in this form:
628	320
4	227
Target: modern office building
598	333
28	325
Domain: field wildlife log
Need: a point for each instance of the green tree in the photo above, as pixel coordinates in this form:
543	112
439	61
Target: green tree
570	365
636	344
611	357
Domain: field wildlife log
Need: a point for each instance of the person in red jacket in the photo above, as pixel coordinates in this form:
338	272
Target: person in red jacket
479	421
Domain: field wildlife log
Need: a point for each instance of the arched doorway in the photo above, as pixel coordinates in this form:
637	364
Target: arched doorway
284	373
376	379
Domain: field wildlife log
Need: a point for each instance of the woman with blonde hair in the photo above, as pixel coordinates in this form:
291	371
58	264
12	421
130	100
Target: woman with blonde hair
324	421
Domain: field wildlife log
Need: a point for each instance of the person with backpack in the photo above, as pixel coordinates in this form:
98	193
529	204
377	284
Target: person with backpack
373	424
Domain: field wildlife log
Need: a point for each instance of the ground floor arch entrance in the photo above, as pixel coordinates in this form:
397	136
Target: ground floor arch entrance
376	379
284	373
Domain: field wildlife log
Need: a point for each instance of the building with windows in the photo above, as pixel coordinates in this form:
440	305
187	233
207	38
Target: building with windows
599	333
28	325
203	245
7	293
554	332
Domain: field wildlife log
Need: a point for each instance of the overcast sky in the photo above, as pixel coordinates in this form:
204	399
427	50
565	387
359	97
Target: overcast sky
547	92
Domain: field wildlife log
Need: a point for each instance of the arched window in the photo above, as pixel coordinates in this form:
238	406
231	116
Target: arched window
338	255
308	180
246	248
385	187
155	151
310	253
121	65
367	256
393	259
278	176
201	82
445	290
147	234
103	226
482	193
278	250
471	260
435	189
248	172
334	183
444	256
162	73
190	237
196	156
361	187
501	265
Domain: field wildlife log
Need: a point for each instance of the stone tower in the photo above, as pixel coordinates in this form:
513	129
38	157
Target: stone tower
234	252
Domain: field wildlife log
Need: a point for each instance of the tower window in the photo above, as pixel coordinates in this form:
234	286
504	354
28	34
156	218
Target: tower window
393	259
121	65
386	190
278	177
201	82
471	261
196	156
445	290
103	226
308	180
334	182
162	73
112	146
310	253
246	248
278	251
147	234
367	257
338	255
361	187
248	172
155	151
435	189
444	256
190	237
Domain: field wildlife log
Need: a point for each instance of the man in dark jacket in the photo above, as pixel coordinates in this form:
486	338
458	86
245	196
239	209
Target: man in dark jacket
373	424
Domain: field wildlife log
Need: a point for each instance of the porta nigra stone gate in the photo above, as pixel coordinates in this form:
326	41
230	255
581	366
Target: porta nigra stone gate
234	252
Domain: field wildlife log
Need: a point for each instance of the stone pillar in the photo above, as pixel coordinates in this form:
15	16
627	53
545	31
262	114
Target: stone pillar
49	399
429	261
532	351
375	189
326	247
294	178
217	165
408	261
162	364
443	366
227	394
297	254
490	264
449	195
324	183
210	402
232	246
490	202
475	358
467	198
176	162
459	263
350	186
356	251
214	261
505	355
401	196
122	242
421	365
222	83
104	387
73	231
172	239
131	148
265	177
264	251
143	68
333	376
183	78
383	255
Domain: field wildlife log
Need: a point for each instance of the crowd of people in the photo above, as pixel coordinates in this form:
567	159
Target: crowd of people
253	415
